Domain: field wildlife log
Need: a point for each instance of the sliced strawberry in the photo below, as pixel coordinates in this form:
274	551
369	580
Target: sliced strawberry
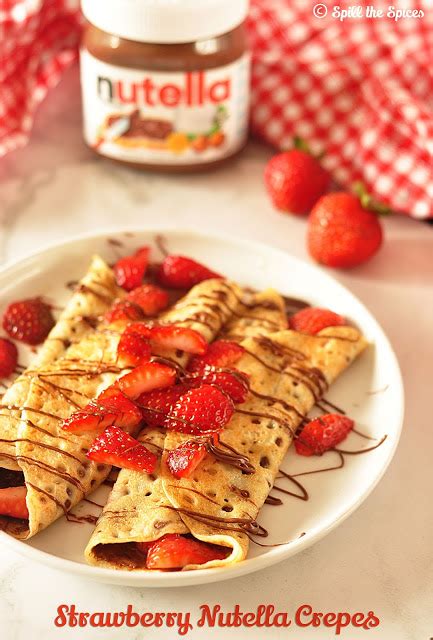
150	298
174	551
147	377
28	320
311	320
123	311
8	357
184	460
202	410
13	502
179	272
110	407
117	448
322	434
129	271
91	418
144	546
233	384
133	349
156	405
221	353
174	337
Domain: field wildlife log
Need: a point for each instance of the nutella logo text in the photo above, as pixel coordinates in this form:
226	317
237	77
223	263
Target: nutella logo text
193	90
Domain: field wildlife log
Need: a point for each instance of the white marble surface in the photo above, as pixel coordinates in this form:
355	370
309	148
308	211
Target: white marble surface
381	558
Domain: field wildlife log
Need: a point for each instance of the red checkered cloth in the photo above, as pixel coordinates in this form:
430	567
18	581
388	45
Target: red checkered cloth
360	89
38	40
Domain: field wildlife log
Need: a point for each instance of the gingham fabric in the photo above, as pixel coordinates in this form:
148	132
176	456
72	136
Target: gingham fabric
361	90
38	40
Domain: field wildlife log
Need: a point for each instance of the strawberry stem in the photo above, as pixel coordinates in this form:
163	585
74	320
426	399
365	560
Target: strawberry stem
368	202
302	145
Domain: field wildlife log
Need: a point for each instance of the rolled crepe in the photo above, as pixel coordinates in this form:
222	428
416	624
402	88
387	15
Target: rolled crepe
76	362
92	296
139	509
288	373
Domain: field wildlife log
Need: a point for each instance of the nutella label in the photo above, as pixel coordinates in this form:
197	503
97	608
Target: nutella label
171	118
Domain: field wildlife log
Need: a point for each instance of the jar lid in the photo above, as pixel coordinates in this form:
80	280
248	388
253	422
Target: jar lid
165	21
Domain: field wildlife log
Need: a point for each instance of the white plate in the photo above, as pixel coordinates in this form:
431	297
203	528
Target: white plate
333	495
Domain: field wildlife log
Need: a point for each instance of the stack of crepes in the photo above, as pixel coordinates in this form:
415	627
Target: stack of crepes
287	373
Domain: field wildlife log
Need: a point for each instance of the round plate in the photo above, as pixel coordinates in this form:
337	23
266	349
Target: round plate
371	392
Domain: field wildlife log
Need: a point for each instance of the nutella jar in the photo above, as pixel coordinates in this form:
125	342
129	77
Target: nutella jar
165	83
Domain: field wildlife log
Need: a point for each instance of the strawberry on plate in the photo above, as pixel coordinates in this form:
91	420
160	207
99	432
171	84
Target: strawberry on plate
146	377
341	232
174	551
179	272
234	384
322	434
221	353
13	502
199	411
295	180
28	320
8	357
150	298
174	337
311	320
133	349
156	405
129	271
184	460
117	448
123	311
111	407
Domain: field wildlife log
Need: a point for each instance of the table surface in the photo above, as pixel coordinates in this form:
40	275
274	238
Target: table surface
381	557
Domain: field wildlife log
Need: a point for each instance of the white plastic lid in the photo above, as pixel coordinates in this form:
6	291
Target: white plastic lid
165	21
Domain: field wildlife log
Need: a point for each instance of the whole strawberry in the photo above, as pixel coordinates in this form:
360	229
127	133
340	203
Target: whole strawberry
8	357
295	180
341	232
28	320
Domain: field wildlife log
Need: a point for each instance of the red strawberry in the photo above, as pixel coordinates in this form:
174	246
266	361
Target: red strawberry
91	418
221	353
174	551
341	233
117	448
323	433
123	311
173	337
8	357
184	460
133	349
202	410
13	502
146	377
129	271
28	320
156	405
179	272
110	407
295	180
233	384
150	299
313	319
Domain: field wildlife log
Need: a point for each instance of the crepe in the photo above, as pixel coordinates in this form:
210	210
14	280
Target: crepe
76	362
92	296
289	371
138	509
